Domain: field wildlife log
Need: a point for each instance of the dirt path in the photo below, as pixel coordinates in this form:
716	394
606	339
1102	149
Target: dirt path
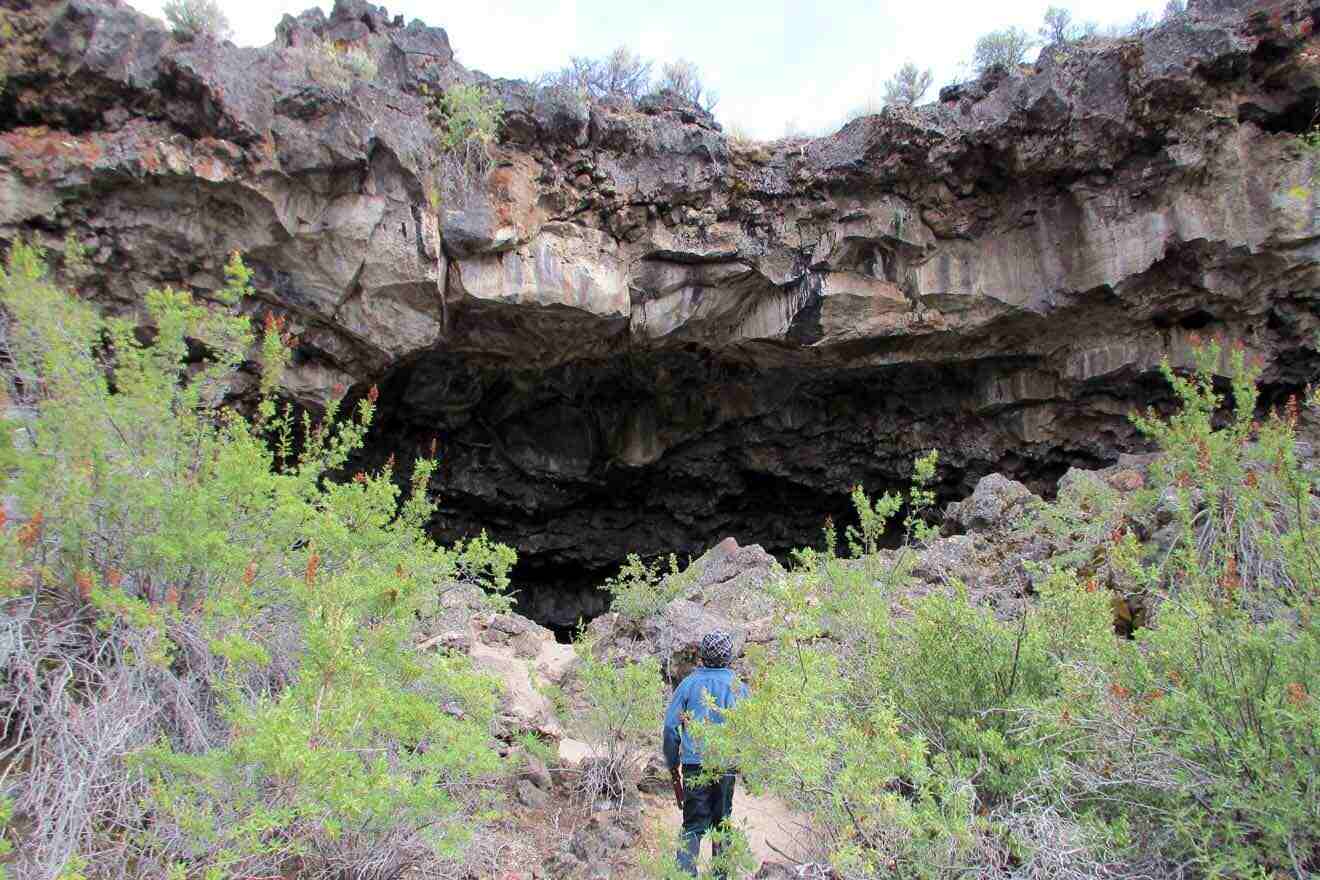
767	821
772	829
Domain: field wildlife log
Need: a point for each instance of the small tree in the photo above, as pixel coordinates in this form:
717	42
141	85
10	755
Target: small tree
1007	47
907	86
621	74
1174	9
625	74
683	78
191	19
1058	27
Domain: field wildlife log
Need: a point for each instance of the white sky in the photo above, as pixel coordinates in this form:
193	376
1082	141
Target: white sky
775	63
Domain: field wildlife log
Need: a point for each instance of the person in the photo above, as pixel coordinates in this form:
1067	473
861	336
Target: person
704	694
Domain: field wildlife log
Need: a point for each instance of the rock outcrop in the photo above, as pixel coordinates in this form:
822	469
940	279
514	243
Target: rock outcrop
635	333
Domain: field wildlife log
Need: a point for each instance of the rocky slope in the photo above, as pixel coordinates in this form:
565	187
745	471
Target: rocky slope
637	334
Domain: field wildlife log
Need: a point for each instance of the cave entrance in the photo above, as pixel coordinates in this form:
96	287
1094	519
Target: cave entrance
580	464
561	598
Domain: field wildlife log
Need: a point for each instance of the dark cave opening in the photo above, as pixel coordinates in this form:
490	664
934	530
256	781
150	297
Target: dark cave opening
577	466
580	464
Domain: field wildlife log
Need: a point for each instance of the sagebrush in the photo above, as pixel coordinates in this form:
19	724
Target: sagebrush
210	662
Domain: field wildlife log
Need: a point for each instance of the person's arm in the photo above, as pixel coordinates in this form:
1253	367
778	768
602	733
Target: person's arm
672	736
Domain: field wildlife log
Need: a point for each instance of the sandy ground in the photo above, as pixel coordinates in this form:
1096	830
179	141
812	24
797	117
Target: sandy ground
768	823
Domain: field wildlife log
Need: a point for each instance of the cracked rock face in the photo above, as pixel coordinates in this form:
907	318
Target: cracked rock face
635	334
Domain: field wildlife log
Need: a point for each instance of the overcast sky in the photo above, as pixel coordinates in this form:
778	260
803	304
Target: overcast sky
775	63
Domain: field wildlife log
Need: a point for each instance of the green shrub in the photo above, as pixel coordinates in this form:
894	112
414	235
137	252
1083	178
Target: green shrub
1229	668
1003	48
466	121
981	675
735	858
642	589
623	707
465	117
872	520
814	736
191	19
7	36
950	738
212	667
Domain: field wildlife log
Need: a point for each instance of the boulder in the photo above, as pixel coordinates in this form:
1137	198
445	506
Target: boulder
996	504
676	633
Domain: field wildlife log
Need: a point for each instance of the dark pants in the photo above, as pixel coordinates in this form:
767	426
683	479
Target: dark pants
704	808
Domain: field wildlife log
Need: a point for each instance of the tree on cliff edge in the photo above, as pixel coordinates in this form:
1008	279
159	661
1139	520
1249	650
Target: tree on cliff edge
191	19
907	86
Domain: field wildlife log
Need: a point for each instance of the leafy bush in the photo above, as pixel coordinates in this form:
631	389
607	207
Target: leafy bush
210	663
191	19
1003	48
359	62
875	805
873	515
640	589
1229	666
623	706
7	35
466	117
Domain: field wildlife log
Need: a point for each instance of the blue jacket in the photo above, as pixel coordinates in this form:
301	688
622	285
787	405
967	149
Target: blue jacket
689	702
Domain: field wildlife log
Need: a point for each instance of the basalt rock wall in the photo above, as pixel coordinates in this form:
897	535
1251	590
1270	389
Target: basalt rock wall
634	333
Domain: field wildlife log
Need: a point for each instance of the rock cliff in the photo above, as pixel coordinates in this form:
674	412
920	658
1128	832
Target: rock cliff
635	333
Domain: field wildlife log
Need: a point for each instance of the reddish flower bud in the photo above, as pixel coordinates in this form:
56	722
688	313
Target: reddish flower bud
30	533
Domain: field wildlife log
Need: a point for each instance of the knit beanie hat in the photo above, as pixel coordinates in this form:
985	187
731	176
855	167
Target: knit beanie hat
716	649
